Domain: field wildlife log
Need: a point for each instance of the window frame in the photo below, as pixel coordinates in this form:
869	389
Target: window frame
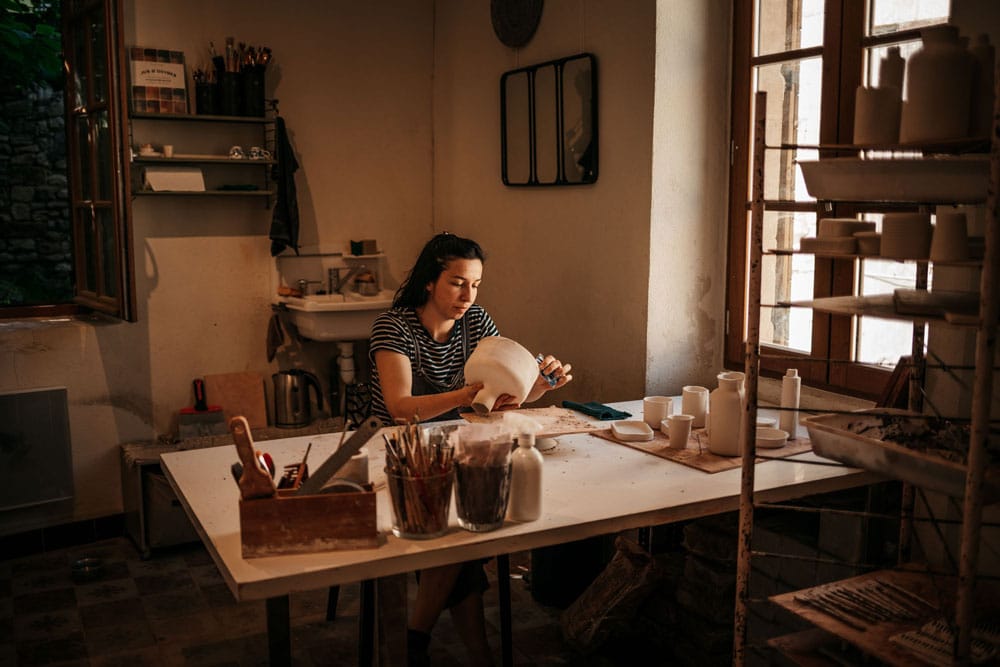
829	363
121	303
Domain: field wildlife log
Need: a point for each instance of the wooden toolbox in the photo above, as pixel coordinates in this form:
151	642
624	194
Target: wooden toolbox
306	517
288	524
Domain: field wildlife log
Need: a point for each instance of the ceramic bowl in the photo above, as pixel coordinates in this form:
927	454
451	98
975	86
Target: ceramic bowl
767	422
771	438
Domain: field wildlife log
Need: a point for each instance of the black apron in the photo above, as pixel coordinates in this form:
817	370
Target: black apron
422	385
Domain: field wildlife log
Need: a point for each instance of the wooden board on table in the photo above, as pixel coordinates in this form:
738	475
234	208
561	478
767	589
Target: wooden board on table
554	420
696	454
238	394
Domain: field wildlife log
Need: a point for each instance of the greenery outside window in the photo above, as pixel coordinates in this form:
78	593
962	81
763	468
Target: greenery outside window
97	189
810	56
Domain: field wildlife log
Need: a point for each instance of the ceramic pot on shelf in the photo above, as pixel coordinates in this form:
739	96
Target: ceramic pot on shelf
503	366
938	88
727	403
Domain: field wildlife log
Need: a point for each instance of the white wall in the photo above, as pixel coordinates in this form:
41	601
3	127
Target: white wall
566	269
687	239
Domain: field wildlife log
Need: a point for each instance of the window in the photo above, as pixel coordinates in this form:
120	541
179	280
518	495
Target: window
96	237
810	56
98	187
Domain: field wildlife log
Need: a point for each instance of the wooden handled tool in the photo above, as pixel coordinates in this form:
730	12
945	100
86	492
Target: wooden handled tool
255	482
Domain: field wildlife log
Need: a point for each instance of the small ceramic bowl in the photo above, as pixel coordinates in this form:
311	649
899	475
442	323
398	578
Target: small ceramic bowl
769	422
771	438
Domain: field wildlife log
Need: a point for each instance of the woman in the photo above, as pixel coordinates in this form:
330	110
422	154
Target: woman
418	353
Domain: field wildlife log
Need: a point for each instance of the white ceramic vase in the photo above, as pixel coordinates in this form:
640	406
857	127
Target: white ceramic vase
503	366
725	415
938	88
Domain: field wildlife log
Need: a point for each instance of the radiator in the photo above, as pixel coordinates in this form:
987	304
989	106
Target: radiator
36	465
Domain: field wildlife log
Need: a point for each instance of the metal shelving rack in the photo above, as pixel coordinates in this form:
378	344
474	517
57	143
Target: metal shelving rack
985	354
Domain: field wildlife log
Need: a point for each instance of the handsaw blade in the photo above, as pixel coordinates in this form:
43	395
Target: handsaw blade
337	460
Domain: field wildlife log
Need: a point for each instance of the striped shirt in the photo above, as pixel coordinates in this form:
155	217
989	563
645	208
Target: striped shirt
441	365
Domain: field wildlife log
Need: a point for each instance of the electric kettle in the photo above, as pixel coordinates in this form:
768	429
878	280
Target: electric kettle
292	407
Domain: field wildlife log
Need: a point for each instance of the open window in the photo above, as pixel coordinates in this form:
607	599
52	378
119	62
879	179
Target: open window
98	191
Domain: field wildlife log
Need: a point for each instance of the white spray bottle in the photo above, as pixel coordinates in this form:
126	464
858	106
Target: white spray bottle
526	475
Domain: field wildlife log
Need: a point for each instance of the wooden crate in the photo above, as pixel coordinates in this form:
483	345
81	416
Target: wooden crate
289	524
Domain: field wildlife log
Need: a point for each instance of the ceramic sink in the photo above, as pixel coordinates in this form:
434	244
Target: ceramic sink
336	317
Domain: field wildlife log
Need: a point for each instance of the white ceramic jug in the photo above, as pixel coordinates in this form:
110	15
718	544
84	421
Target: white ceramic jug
503	366
725	415
938	88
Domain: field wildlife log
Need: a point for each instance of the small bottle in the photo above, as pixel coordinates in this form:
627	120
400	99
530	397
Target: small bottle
890	71
791	386
526	480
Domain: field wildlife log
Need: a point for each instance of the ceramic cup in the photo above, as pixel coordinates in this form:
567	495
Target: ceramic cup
655	409
168	150
694	402
258	153
906	235
679	430
950	241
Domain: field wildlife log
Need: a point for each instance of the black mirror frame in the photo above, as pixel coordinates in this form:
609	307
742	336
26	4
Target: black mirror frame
558	66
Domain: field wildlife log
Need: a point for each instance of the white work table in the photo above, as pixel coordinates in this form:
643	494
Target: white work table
591	486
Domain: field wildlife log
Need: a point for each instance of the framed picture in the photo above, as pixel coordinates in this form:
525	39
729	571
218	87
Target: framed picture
157	81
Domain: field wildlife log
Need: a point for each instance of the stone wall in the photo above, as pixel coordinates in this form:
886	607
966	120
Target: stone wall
36	263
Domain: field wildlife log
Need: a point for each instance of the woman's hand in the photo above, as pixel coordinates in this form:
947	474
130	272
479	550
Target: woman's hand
554	368
506	402
468	393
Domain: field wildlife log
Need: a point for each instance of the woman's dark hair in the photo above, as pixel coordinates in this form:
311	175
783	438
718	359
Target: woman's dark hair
430	263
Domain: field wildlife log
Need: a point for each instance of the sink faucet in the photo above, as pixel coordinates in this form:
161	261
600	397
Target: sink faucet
303	285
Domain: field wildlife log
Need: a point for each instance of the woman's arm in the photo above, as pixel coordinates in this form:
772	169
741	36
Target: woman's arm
396	377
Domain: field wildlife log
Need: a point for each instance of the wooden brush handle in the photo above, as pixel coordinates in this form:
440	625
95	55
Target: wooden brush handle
255	482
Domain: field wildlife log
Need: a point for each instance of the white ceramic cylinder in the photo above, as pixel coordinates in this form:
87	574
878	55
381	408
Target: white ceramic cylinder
679	430
655	409
876	116
503	366
726	405
906	236
950	241
938	88
694	402
356	468
891	69
526	481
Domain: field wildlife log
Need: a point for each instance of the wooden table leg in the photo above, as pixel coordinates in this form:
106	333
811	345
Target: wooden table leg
503	590
279	636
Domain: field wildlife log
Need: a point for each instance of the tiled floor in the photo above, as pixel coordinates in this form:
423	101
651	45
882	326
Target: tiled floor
174	609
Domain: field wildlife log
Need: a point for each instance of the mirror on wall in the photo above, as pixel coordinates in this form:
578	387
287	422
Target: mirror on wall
548	123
